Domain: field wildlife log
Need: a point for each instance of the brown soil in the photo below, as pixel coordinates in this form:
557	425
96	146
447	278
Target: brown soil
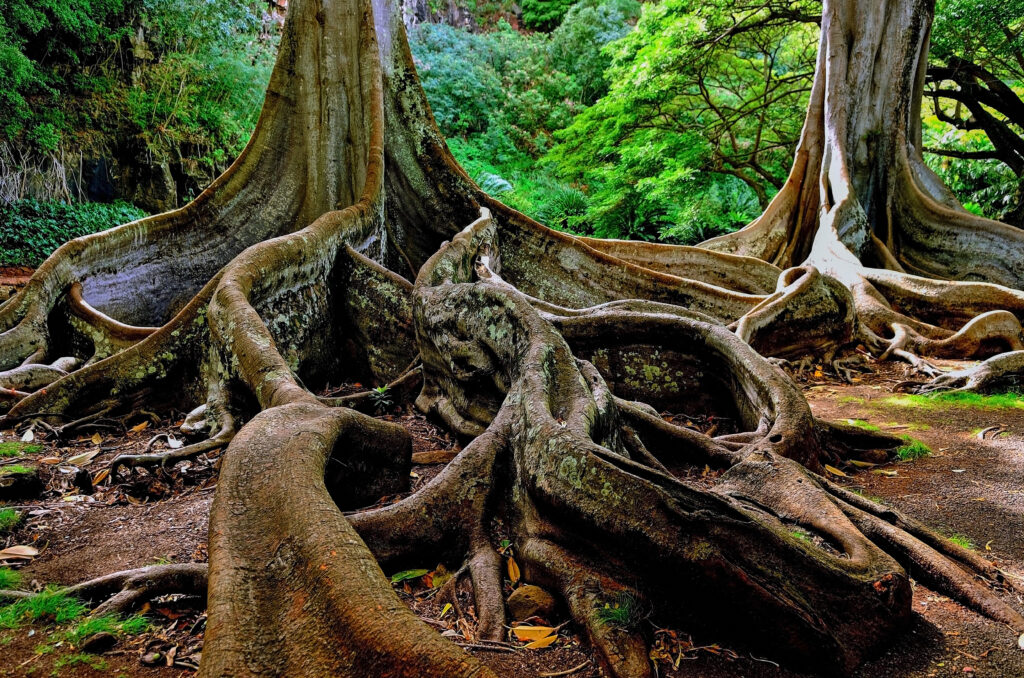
968	486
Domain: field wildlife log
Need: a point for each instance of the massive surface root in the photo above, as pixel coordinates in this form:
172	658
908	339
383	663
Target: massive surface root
552	354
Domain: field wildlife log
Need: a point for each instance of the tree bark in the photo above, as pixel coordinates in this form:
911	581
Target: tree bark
346	243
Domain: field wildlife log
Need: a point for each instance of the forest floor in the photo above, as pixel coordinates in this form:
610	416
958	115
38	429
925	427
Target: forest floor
968	488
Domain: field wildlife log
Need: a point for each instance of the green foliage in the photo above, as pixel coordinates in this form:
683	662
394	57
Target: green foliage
913	449
499	97
171	74
381	398
698	124
576	46
41	45
30	230
860	423
989	35
985	187
624	611
544	15
15	469
9	579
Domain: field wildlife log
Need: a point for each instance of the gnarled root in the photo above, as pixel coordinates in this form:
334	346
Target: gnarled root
126	591
999	373
579	456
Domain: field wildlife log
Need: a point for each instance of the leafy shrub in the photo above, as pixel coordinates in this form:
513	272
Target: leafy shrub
565	209
544	15
492	184
30	230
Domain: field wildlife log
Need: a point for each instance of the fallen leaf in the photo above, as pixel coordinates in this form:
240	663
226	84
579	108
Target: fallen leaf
531	633
174	443
445	610
19	552
50	460
885	472
834	471
988	545
101	476
96	439
513	570
84	458
407	574
140	427
29	436
862	464
543	642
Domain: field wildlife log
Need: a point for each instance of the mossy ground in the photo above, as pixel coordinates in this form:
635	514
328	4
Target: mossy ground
957	399
14	448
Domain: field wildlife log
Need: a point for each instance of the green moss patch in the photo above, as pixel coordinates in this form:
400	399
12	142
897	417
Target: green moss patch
18	449
995	401
16	469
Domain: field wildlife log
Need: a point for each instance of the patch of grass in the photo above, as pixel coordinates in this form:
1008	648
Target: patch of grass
81	658
913	449
852	399
869	497
860	423
9	519
624	611
994	401
15	469
909	426
9	579
50	606
107	623
962	541
13	448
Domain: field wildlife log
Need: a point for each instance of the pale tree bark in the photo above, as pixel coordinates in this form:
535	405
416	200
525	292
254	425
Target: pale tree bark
345	242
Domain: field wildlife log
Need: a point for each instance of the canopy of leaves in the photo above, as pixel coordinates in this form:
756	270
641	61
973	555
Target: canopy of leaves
172	71
705	106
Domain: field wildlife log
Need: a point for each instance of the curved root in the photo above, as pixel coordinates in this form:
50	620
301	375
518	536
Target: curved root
126	591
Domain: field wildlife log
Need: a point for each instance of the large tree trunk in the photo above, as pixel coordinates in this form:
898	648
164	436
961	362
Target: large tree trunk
319	256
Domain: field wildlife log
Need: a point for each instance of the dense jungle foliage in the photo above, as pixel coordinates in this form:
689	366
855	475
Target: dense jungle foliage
672	120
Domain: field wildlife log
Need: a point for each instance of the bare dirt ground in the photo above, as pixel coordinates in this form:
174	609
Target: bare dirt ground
968	487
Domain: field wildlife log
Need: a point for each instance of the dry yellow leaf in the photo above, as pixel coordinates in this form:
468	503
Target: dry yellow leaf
83	458
96	439
513	570
834	471
543	642
101	476
19	552
531	633
50	460
140	427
